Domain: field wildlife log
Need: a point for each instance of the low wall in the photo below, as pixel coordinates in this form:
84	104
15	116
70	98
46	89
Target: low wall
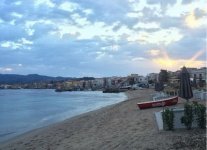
178	113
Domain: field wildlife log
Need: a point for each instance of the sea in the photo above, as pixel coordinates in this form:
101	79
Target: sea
23	110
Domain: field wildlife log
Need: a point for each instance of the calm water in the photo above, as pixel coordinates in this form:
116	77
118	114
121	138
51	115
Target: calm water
24	110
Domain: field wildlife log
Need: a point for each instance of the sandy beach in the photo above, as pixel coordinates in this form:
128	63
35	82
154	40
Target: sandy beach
121	126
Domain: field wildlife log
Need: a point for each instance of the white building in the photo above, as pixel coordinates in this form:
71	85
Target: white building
98	83
142	79
135	77
198	72
152	77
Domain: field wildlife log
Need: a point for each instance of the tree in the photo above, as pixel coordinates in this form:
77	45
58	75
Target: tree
163	76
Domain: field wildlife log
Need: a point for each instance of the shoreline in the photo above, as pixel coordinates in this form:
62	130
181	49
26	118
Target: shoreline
19	135
118	126
37	130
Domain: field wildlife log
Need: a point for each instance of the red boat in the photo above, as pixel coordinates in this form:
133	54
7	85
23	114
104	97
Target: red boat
163	102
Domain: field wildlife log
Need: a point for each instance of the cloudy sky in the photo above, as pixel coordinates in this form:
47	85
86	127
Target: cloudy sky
101	37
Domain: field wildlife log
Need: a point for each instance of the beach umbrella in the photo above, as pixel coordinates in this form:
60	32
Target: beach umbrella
185	86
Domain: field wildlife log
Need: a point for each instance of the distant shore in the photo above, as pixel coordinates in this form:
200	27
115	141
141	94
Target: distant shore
119	126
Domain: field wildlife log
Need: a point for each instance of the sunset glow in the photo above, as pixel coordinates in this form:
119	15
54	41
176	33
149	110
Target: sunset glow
166	62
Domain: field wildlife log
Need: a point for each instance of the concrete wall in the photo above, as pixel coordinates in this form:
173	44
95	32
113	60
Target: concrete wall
178	113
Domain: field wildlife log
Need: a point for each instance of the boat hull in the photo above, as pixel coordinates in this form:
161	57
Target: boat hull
160	103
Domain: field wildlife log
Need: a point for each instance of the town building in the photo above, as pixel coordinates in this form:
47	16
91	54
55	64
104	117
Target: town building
198	73
153	77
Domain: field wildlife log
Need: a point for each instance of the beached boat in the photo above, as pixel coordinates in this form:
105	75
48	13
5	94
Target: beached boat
159	103
111	90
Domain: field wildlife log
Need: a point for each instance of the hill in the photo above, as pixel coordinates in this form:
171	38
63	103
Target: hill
15	78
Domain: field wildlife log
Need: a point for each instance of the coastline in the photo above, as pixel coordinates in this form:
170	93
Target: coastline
118	126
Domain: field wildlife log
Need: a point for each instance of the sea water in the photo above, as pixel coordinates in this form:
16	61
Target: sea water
24	110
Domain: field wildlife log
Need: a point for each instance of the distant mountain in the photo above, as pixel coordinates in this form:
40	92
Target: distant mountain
15	78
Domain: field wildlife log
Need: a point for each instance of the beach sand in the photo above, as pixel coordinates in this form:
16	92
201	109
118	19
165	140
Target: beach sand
121	126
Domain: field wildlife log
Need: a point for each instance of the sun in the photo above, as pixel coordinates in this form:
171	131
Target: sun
165	63
168	63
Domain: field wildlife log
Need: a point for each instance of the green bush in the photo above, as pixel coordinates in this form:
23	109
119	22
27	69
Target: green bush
194	111
200	113
187	119
168	119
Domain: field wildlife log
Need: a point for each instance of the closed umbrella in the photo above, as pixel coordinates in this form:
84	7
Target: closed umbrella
185	86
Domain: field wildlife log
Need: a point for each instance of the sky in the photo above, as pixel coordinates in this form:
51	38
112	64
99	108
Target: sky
77	38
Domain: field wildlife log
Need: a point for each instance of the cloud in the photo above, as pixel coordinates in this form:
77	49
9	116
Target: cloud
187	1
5	69
163	36
192	41
19	44
193	19
154	52
161	2
47	3
74	38
69	6
138	59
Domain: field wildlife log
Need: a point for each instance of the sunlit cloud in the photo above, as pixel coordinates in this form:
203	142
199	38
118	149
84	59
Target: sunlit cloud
154	52
197	54
175	64
138	59
193	22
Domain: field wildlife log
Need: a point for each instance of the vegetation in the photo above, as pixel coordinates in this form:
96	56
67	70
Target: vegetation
195	112
168	119
187	119
200	113
163	76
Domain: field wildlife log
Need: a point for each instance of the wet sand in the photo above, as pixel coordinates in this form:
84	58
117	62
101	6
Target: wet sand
121	126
